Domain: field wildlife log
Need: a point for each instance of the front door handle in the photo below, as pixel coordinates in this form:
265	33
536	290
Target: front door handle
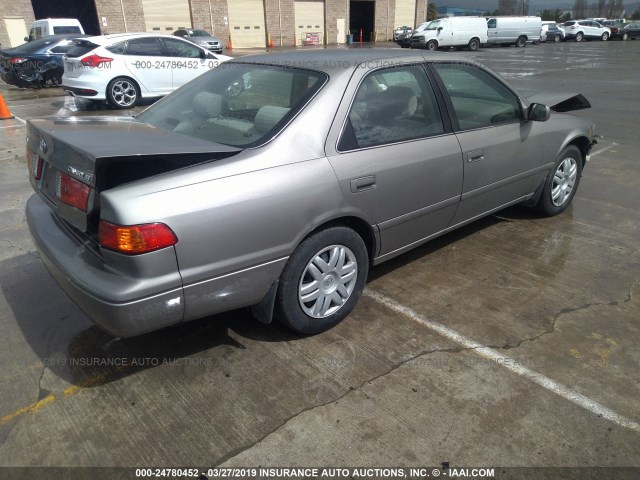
363	183
475	156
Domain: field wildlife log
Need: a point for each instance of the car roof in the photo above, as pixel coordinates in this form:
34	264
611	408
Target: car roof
117	37
335	62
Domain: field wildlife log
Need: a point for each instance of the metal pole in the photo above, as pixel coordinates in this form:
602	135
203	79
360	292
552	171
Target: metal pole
279	20
211	18
124	18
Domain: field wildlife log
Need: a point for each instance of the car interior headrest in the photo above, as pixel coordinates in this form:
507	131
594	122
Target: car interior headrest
207	104
267	117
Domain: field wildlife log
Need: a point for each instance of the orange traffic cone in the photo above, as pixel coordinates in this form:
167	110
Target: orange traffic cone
5	114
271	44
229	45
295	40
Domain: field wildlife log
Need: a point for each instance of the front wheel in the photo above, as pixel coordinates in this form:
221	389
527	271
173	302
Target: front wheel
579	37
521	42
474	44
605	37
561	186
625	36
123	93
322	280
432	45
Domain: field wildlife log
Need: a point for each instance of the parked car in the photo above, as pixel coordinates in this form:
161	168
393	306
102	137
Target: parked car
513	30
580	30
53	26
468	32
201	38
404	40
625	31
281	196
123	68
551	32
401	31
36	64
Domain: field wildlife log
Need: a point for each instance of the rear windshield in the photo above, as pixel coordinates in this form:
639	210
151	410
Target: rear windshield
66	29
36	46
80	48
241	105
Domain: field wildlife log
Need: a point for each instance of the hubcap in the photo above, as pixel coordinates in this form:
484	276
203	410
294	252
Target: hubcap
124	93
563	181
328	281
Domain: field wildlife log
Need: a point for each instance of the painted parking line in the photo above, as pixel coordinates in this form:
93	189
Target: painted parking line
506	362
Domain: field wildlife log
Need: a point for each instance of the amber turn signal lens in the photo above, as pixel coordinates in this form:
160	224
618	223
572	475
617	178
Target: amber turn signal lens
135	239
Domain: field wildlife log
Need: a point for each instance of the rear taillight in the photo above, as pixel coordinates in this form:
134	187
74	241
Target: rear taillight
135	239
34	164
18	60
72	192
95	60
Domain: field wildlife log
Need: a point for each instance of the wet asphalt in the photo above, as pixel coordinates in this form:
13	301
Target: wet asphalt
409	378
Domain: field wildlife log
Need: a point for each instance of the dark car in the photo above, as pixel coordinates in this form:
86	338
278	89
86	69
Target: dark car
38	63
202	38
624	31
404	40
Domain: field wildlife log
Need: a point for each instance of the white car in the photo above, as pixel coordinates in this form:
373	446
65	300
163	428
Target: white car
123	68
580	30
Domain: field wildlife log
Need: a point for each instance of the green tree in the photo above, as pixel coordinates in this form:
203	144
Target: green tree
432	11
547	15
636	15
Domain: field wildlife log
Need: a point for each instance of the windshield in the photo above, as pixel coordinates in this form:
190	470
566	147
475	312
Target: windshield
434	25
199	33
236	104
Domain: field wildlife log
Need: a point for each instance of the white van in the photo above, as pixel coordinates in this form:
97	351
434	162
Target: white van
53	26
452	32
513	30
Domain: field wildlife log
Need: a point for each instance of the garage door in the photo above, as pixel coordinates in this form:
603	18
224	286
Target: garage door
405	13
165	16
246	19
309	22
16	30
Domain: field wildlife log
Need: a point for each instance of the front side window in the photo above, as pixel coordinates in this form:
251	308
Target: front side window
241	105
479	99
392	105
65	29
492	23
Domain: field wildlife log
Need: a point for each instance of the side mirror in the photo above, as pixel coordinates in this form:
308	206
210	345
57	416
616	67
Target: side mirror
538	112
439	29
203	54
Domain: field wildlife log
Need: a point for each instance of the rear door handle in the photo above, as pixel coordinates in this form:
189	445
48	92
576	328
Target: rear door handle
363	183
475	156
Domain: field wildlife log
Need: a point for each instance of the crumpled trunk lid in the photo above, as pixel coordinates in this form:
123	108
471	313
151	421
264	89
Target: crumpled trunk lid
103	152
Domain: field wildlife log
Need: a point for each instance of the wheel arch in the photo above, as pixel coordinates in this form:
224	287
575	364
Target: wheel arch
358	225
583	144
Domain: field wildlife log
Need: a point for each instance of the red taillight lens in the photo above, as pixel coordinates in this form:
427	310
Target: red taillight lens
95	60
72	192
18	60
34	164
135	239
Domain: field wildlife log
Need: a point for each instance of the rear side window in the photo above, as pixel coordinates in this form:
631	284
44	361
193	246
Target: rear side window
118	48
148	47
241	105
177	48
479	99
391	106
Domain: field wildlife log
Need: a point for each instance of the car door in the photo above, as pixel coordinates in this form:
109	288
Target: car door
186	60
395	157
144	57
500	166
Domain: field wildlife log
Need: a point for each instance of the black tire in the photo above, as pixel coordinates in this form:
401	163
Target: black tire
289	307
474	44
554	183
122	93
557	38
625	36
521	42
432	45
604	37
579	37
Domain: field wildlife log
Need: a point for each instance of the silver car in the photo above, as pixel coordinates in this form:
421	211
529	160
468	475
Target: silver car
201	38
277	181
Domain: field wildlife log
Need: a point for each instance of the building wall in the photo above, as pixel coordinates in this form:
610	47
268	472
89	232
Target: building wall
131	21
333	10
385	14
211	20
421	11
280	24
15	8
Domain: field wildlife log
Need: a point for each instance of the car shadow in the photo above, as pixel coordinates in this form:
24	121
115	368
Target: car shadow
64	340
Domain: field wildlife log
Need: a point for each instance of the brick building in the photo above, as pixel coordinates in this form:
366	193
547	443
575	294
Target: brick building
249	23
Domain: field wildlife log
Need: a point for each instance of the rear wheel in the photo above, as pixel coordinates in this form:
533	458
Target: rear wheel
474	44
557	38
579	36
561	186
123	93
322	280
521	42
432	45
625	36
605	36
